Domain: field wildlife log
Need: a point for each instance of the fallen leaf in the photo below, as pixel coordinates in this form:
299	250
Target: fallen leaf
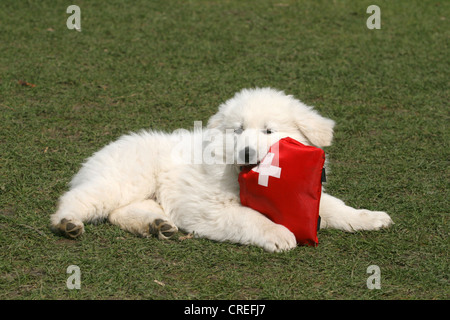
26	84
159	282
188	236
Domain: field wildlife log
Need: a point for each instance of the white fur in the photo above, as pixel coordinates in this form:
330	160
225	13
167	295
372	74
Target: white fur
145	176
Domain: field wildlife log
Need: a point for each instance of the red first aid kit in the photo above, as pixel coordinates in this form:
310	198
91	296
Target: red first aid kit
286	187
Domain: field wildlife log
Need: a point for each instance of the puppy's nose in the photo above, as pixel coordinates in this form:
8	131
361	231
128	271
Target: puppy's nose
247	154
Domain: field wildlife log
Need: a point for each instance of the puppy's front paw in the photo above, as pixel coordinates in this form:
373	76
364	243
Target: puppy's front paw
374	220
278	238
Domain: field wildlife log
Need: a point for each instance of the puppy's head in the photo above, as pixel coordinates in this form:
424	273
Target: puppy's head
257	118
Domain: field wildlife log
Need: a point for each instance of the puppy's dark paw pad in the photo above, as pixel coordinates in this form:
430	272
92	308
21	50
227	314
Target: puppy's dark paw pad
162	229
70	229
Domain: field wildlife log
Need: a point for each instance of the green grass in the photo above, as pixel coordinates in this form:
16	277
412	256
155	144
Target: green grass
165	64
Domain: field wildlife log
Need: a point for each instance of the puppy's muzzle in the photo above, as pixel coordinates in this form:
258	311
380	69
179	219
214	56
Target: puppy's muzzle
247	156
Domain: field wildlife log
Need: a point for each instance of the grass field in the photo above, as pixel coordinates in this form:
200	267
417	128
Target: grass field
164	65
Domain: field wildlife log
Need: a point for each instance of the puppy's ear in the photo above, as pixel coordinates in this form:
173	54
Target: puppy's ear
216	121
317	129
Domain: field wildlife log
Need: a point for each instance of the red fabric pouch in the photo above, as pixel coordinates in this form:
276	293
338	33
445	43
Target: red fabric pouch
286	187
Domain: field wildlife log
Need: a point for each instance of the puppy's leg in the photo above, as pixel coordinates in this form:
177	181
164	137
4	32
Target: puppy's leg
144	218
242	225
88	202
336	214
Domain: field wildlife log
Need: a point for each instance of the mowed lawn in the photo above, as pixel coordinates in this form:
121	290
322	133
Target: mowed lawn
165	64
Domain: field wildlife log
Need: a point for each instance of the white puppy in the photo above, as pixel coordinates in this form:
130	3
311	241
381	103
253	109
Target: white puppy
154	183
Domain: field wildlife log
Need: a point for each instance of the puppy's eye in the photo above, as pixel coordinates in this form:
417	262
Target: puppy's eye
268	131
238	130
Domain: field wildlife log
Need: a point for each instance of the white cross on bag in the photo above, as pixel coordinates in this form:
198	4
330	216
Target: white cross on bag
266	170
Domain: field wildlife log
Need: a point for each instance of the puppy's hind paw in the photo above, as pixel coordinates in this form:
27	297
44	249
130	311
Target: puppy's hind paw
70	229
162	229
